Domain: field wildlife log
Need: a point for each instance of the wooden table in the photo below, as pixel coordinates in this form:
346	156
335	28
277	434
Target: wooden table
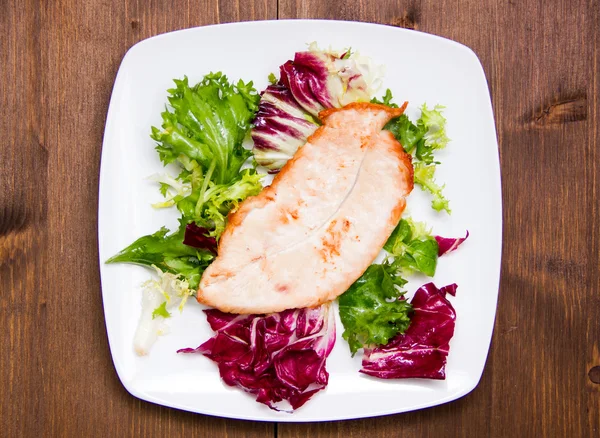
58	61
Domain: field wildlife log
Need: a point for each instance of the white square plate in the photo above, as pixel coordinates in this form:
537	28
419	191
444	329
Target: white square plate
419	68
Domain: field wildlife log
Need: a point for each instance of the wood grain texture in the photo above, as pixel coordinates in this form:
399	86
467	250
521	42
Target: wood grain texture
23	211
541	60
58	61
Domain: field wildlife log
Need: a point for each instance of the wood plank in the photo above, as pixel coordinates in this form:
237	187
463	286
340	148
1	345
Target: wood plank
592	300
23	221
541	60
59	60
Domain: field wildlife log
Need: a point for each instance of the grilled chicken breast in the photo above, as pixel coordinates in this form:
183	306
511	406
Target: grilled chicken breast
306	238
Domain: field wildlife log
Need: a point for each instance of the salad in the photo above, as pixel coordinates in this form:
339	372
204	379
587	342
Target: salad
280	358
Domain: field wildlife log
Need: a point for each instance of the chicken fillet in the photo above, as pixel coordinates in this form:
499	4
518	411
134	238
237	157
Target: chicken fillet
309	235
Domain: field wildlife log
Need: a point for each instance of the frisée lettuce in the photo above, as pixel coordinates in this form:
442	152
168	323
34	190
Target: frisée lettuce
421	140
159	298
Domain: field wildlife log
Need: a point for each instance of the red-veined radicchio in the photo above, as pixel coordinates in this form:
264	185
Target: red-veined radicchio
447	244
278	357
316	79
198	237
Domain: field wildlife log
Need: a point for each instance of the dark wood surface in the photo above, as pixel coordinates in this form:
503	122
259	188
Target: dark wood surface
58	61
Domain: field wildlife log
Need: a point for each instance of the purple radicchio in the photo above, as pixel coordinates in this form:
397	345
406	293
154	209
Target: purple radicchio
448	244
279	357
316	79
198	237
281	126
422	350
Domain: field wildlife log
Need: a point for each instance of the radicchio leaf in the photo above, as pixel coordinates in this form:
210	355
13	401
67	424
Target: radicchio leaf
198	237
450	289
316	79
447	244
278	357
306	78
280	127
422	350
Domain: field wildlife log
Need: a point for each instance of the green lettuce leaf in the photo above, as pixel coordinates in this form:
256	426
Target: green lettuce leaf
435	122
414	248
421	140
161	311
424	177
407	133
168	253
207	123
386	99
372	310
